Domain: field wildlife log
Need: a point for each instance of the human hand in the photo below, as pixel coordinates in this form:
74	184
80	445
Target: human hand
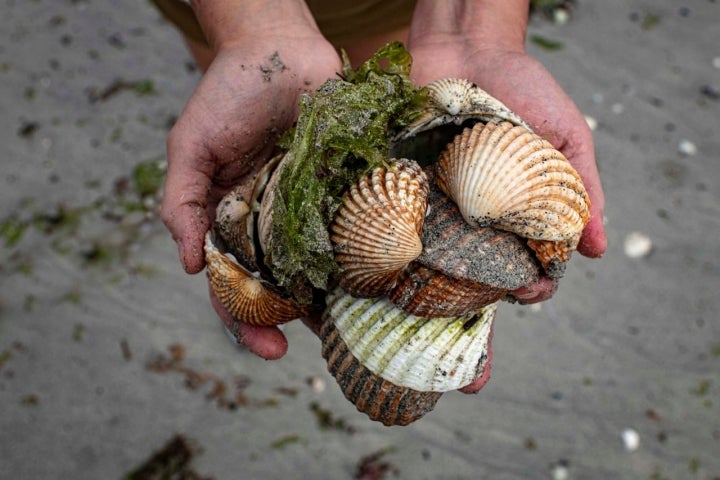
528	89
246	100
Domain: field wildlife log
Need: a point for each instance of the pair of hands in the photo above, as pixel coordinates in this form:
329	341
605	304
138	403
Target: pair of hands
250	94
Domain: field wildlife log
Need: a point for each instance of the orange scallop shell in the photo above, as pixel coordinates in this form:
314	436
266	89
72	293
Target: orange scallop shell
376	231
245	296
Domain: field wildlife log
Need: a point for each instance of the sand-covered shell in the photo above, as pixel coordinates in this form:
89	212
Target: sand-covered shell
377	229
423	354
483	255
505	176
455	100
247	297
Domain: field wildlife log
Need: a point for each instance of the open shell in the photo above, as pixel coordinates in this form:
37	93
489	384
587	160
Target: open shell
455	100
505	176
423	354
245	296
377	229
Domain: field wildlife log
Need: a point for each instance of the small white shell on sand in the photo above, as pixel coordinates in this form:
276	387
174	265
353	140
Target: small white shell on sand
637	245
631	439
686	147
592	123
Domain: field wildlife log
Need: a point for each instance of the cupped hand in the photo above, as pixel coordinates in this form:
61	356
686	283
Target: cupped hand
244	102
528	89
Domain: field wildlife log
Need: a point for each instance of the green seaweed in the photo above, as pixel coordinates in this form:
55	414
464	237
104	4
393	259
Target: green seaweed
342	132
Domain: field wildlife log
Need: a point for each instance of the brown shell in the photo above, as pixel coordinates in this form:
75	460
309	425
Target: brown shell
245	296
483	255
505	176
427	293
376	231
379	399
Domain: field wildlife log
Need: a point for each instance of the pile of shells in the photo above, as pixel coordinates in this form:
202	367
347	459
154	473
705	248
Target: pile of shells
424	254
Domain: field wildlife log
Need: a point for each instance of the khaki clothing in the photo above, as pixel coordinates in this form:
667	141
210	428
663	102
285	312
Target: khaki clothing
339	20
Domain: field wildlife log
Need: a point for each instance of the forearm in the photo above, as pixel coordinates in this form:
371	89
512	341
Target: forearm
500	24
226	21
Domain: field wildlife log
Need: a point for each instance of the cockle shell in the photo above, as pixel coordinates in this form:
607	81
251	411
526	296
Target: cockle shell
392	365
503	175
377	229
245	296
455	100
425	292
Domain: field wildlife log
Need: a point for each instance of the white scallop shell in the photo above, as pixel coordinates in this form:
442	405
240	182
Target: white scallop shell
505	176
437	355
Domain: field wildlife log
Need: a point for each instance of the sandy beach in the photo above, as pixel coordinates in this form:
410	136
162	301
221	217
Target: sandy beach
109	352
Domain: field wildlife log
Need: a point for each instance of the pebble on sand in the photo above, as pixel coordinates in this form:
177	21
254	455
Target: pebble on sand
686	147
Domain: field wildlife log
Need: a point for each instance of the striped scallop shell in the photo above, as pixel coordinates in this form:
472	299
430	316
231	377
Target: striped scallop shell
425	292
246	297
376	231
379	399
423	354
505	176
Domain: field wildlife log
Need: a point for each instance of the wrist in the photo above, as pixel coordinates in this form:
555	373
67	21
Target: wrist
486	24
230	22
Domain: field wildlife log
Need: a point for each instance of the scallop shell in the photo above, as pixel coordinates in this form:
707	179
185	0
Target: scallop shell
483	255
424	292
423	354
245	296
455	100
553	256
379	399
505	176
376	231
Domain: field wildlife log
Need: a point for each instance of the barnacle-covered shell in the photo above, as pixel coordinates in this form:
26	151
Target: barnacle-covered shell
424	292
455	100
483	255
423	354
245	296
505	176
377	229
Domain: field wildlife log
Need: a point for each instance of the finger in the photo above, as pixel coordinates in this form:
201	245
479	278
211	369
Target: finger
539	291
184	206
484	377
265	342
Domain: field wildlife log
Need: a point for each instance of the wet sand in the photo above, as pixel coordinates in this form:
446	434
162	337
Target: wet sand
108	350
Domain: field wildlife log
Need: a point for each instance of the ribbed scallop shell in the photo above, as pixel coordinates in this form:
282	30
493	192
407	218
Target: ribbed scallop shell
424	292
246	297
455	100
553	256
427	355
376	231
379	399
504	175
